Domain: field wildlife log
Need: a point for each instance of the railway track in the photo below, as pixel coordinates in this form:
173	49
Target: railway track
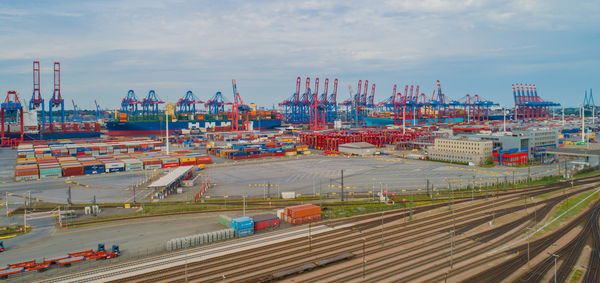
260	262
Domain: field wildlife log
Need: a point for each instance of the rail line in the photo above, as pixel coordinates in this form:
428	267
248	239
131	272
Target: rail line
334	237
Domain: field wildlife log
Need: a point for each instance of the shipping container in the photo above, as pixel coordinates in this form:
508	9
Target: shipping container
224	220
242	222
265	221
72	170
242	232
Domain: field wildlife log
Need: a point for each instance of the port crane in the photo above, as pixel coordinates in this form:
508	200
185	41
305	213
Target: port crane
37	102
129	104
12	109
187	104
239	111
77	113
56	100
150	104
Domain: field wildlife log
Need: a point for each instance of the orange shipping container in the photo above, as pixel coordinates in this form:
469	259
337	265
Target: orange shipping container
307	211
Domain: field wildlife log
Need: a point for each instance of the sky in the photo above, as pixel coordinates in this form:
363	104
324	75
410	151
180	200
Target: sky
473	47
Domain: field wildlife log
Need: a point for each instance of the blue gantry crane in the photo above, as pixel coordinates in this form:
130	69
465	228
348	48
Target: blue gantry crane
187	104
217	103
129	104
150	104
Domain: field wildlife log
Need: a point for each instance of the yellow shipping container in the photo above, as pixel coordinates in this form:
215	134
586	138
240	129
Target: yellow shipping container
291	153
187	159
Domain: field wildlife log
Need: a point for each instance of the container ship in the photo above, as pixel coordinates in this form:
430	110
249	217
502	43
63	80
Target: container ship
33	130
156	125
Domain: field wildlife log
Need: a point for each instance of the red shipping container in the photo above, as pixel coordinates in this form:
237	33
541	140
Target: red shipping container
170	165
72	171
203	160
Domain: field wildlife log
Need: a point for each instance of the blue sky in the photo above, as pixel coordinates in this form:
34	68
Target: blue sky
472	47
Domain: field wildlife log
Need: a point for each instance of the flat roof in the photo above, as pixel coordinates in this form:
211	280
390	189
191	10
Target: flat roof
173	175
360	145
574	151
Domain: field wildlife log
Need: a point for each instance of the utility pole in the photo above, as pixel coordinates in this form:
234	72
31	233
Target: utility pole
320	194
473	189
427	188
528	236
244	199
25	219
514	185
382	227
411	206
555	257
69	201
342	181
493	209
449	200
451	249
309	237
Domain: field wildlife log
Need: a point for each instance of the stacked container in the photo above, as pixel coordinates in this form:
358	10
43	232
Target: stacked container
114	166
26	172
169	162
133	164
265	221
302	214
243	226
93	167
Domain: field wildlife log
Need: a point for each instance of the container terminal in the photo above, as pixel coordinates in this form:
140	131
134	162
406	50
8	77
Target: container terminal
317	189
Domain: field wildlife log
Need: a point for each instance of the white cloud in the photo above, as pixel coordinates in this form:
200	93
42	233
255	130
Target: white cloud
177	40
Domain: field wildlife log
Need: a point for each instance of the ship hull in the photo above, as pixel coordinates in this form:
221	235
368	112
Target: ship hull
54	135
158	128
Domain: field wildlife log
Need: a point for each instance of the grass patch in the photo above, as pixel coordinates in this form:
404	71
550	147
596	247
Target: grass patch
342	211
576	277
566	205
13	230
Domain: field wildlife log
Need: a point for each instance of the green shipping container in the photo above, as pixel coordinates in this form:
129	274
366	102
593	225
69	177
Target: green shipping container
224	220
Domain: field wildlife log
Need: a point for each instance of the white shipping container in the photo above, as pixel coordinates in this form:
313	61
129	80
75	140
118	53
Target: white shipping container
288	195
114	165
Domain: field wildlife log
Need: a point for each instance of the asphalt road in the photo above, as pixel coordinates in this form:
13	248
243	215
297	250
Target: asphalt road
135	237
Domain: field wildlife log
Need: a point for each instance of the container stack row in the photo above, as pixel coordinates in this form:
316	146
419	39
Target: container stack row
301	214
89	148
30	168
258	150
199	239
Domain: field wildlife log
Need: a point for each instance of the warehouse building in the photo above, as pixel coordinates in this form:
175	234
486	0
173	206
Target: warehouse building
461	150
357	148
518	147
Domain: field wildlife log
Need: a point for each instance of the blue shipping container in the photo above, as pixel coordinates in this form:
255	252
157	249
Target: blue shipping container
244	232
242	223
93	169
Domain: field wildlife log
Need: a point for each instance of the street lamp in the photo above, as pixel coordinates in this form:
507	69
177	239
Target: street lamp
528	236
555	257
